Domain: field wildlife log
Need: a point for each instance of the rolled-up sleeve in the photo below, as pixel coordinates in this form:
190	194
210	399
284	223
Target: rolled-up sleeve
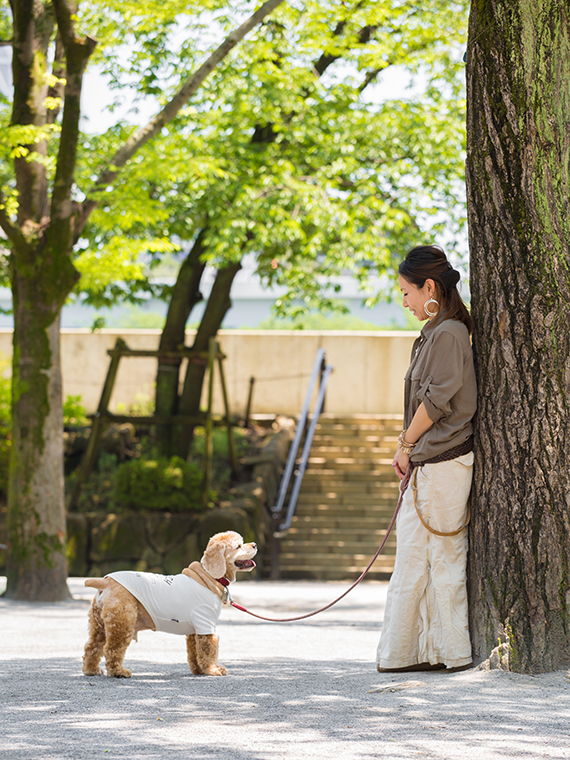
442	376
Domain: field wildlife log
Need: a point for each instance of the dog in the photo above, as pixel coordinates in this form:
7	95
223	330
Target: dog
189	604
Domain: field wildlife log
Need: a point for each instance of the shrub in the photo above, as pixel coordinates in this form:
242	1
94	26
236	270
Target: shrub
168	485
98	490
74	414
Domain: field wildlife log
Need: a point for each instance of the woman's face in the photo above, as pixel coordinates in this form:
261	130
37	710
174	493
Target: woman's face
414	298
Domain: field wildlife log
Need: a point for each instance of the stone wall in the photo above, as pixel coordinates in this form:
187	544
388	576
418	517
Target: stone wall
163	542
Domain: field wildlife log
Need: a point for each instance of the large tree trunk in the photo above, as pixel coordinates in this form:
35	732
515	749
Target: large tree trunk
518	76
37	568
185	295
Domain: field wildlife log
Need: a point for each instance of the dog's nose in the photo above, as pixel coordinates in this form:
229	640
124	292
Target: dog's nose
254	546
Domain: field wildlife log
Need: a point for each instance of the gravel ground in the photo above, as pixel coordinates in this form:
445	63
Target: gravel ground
294	691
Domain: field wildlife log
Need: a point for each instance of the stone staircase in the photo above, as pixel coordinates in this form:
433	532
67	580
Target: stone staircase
347	499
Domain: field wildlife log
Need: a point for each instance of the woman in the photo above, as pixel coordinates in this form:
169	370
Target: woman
425	624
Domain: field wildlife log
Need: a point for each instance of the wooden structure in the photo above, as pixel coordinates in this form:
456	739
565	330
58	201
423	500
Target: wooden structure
103	416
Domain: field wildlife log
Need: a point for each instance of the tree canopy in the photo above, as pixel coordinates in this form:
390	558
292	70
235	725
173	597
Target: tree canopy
288	150
265	140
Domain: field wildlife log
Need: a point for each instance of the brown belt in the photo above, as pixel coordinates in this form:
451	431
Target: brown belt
457	451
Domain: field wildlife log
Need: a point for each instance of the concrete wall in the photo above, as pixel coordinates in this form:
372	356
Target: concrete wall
367	378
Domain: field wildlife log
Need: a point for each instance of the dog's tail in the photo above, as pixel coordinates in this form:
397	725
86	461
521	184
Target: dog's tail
99	583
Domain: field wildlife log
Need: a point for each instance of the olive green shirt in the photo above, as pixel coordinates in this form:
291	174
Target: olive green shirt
442	376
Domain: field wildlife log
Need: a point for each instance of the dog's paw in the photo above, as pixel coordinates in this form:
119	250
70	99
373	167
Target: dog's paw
216	670
93	671
119	673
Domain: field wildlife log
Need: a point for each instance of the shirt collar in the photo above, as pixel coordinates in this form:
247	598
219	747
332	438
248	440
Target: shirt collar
430	324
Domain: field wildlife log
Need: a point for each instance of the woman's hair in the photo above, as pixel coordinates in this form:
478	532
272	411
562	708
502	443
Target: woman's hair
428	262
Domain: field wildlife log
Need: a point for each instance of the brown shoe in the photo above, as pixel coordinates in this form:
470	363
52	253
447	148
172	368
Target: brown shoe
420	666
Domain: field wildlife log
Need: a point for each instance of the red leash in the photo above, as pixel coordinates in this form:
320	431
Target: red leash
403	485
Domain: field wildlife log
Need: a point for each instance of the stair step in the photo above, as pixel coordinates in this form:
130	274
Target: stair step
328	485
347	549
365	439
377	573
345	510
349	464
341	523
381	497
330	558
353	533
356	419
335	453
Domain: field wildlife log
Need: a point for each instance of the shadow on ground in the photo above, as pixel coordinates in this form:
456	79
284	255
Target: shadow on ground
274	709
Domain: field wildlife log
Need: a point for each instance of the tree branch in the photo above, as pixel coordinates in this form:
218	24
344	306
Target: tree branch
77	53
170	110
326	60
264	133
370	77
58	70
33	26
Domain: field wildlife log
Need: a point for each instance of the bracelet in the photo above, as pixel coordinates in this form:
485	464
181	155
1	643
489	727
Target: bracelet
404	445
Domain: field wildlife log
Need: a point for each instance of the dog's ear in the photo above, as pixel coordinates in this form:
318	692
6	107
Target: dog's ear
214	560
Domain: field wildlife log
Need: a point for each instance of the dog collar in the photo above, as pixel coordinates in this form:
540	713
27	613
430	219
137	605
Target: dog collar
226	594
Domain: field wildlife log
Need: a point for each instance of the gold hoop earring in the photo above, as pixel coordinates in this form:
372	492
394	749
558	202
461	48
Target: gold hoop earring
427	311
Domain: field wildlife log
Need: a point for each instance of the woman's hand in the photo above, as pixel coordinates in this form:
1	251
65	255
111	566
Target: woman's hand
400	463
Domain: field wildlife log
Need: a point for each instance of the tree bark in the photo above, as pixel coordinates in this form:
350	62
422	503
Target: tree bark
37	568
216	309
42	277
185	295
518	186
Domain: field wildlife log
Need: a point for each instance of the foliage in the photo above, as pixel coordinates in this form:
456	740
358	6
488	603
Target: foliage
142	406
74	414
289	151
150	482
168	485
221	466
98	490
313	174
319	321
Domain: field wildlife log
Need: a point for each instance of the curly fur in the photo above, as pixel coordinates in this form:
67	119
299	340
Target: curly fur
116	616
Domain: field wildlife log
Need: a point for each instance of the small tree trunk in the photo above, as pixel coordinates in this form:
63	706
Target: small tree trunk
518	76
37	568
185	295
216	309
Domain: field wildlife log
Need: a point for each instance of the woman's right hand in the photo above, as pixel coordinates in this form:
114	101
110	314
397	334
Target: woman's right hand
396	466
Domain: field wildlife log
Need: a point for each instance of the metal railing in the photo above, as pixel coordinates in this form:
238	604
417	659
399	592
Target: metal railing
321	371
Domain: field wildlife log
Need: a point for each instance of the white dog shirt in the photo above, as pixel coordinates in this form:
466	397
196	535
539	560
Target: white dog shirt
176	603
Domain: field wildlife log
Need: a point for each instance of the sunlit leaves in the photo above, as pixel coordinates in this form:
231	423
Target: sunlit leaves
117	261
290	151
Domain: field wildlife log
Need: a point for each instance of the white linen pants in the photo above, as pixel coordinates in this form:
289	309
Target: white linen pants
426	609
